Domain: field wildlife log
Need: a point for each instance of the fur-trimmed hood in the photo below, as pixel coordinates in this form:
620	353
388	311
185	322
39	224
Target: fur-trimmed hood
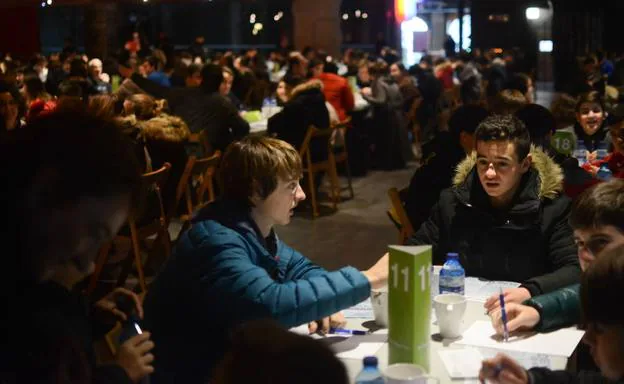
549	174
163	127
307	86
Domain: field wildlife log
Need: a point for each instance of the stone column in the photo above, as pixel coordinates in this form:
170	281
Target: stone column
438	31
317	24
101	29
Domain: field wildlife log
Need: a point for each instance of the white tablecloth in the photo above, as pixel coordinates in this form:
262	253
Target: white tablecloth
474	312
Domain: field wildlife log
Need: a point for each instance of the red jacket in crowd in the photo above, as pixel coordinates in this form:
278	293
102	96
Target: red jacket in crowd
338	93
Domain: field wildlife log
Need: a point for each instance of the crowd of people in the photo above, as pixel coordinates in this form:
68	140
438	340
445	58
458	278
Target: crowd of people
497	184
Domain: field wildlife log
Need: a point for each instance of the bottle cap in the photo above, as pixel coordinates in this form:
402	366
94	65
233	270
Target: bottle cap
370	361
452	255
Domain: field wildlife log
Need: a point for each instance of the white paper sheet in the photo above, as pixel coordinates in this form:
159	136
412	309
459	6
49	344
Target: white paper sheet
558	343
526	360
480	290
363	310
463	363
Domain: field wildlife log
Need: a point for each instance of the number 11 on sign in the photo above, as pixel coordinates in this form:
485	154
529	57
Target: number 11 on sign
424	273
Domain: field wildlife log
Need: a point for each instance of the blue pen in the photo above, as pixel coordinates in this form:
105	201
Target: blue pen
342	331
504	315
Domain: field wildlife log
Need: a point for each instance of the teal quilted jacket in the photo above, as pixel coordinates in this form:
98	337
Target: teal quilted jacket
224	273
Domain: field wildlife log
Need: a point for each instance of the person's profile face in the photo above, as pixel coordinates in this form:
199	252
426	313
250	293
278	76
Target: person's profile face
8	108
72	235
590	116
226	85
282	92
590	243
395	72
617	137
499	169
364	74
194	80
607	349
279	206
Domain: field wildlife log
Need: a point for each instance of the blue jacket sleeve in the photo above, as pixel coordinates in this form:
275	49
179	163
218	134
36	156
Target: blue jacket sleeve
230	275
299	267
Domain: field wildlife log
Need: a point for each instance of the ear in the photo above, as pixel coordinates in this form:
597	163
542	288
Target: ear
526	163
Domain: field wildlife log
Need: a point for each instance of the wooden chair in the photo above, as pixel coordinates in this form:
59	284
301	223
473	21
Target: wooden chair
139	232
201	139
197	179
341	155
398	215
312	168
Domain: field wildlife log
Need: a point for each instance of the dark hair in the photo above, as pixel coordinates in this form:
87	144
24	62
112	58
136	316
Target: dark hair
601	287
314	62
154	62
54	162
292	81
589	97
563	109
466	119
470	90
507	128
212	77
34	85
70	88
599	206
538	120
378	69
78	68
508	101
258	345
330	67
519	82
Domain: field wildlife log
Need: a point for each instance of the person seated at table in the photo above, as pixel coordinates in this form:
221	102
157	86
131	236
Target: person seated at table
603	320
597	218
202	108
305	107
231	267
446	150
504	214
590	127
258	345
62	205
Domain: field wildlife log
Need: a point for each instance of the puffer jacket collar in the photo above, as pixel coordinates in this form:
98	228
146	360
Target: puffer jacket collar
163	127
235	216
544	180
312	86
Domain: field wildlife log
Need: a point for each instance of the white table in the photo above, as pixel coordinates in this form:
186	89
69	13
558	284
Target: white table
474	312
258	127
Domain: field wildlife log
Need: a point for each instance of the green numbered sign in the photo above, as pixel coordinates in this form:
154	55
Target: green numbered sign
563	142
409	305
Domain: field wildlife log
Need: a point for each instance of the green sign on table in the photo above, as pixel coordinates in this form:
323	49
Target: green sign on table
409	305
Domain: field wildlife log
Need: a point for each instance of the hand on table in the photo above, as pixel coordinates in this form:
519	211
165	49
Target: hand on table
504	370
134	356
337	320
518	317
512	295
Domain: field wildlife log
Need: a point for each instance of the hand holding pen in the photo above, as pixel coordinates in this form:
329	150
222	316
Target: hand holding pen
502	369
503	315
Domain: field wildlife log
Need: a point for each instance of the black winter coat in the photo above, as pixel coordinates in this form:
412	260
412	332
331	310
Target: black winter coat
306	107
51	340
531	243
201	111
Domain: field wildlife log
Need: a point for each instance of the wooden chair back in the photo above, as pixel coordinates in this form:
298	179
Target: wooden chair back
399	216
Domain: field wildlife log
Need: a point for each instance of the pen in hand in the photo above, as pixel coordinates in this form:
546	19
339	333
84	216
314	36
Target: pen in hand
503	315
342	331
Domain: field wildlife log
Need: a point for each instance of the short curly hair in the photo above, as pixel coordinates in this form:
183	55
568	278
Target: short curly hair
505	128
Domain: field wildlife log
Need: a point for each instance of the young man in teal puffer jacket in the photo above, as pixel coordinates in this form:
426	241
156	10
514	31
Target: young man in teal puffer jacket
597	218
230	267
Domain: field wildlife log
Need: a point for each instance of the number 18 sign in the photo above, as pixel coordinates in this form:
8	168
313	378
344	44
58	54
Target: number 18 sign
409	305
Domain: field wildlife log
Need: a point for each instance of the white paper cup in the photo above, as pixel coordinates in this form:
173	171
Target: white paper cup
379	298
449	309
407	374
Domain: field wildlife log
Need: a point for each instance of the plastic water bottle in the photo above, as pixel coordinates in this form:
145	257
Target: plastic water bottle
452	275
580	153
604	173
370	374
